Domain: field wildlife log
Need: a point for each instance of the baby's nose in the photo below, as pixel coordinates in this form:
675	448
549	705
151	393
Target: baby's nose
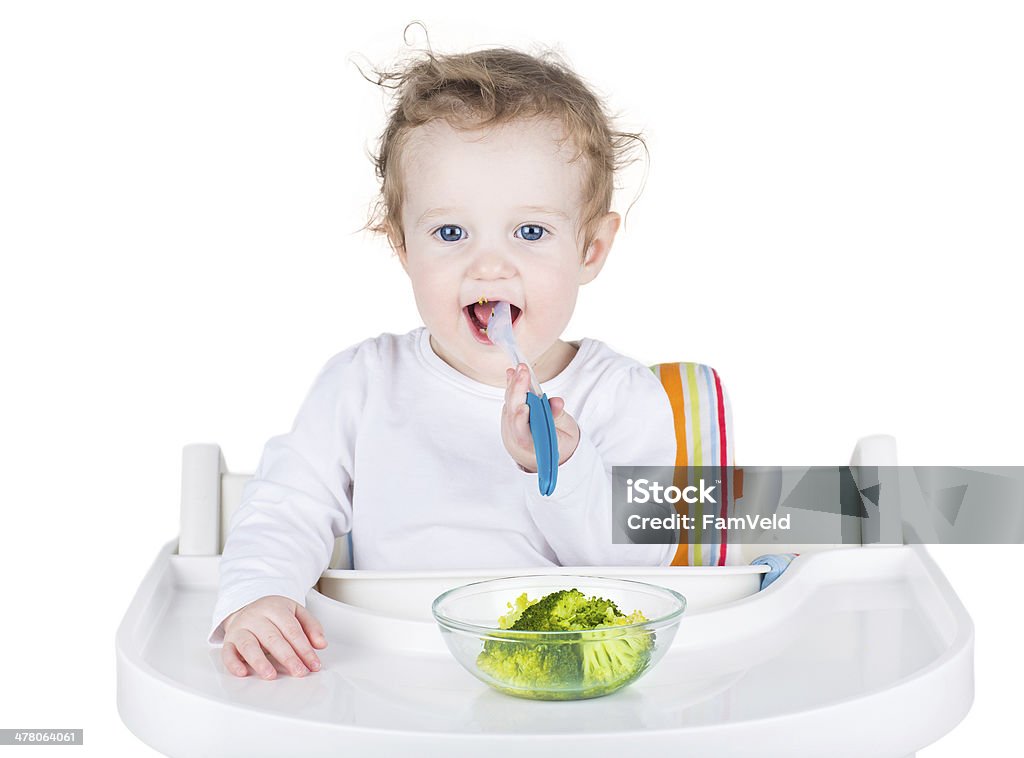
492	263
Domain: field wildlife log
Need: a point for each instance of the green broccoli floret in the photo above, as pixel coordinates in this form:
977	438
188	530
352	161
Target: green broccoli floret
529	668
613	659
566	611
514	611
583	662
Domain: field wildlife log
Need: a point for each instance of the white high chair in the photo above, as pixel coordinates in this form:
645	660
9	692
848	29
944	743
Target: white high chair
852	652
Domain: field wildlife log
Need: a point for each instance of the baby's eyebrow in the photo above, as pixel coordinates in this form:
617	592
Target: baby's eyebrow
548	211
539	209
433	213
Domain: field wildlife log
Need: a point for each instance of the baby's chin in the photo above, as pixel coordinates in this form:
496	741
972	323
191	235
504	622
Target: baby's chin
484	363
491	363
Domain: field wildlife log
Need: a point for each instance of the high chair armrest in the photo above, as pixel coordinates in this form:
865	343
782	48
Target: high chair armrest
874	450
202	466
210	495
878	451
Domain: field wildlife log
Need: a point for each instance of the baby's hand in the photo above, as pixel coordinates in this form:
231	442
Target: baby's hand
515	422
282	627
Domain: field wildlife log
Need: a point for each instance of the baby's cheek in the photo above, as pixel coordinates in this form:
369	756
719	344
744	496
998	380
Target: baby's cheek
559	313
551	291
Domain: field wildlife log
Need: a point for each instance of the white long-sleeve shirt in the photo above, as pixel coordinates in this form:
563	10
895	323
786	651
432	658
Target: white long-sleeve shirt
397	447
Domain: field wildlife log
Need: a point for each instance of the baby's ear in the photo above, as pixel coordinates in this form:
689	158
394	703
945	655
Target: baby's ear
600	247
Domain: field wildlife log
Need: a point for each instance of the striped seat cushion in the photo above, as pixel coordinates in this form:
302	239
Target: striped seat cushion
703	425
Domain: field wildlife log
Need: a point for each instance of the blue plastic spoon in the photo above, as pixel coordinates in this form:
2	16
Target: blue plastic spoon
542	425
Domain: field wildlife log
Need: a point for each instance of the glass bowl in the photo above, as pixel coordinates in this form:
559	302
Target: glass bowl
559	665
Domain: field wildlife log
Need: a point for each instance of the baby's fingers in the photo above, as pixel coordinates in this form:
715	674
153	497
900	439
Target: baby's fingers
296	636
312	627
515	394
518	384
233	660
273	639
519	424
249	648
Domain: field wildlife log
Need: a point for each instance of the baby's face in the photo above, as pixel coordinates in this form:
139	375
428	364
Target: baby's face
495	214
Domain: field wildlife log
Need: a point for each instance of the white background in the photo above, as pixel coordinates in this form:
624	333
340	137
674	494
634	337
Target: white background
832	219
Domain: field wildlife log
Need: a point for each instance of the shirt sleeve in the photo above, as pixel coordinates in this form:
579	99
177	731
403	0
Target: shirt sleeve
630	425
298	501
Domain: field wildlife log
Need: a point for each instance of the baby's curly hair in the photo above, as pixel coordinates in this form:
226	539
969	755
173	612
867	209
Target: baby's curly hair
493	87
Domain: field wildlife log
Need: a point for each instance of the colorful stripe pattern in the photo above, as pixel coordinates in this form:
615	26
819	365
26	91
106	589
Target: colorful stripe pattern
703	426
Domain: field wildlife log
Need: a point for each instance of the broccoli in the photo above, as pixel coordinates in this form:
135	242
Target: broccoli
566	611
515	611
590	659
613	659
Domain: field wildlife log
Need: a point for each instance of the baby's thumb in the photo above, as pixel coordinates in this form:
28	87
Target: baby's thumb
557	406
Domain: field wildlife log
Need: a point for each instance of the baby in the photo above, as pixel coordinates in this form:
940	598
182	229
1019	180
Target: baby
497	172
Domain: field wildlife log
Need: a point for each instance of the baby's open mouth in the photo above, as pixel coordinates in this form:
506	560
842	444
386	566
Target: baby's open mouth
480	313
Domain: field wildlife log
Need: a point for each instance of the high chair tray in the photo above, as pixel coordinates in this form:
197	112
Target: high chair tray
852	652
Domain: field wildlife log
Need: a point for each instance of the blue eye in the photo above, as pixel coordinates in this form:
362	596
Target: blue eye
533	230
453	233
450	229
